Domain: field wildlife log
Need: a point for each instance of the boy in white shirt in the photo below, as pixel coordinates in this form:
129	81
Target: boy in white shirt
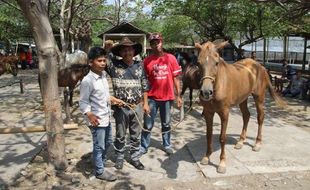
94	104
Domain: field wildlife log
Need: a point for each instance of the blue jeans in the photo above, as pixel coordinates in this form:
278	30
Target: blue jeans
102	139
164	111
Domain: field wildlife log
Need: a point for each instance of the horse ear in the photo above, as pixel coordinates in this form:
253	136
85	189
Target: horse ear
221	45
198	46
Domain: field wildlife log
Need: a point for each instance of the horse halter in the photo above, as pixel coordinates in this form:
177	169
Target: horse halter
207	77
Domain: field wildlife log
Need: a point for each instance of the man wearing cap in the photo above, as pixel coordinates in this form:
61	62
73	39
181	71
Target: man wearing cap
130	85
162	70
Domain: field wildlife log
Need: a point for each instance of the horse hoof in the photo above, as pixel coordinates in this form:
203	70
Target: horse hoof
204	161
257	148
238	145
221	170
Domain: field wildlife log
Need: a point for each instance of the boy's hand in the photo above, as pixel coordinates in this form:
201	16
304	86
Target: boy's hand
93	119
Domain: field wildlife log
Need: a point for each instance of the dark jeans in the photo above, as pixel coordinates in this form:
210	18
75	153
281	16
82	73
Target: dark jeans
165	118
125	118
102	139
293	92
24	64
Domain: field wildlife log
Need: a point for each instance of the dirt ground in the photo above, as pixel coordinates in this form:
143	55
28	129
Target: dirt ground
38	175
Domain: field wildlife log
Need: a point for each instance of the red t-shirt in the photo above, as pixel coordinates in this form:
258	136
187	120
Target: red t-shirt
160	72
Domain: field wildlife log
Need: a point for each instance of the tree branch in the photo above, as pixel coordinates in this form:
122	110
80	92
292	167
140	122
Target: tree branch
11	5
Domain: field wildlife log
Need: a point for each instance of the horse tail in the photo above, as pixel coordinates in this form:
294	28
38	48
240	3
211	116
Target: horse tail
279	101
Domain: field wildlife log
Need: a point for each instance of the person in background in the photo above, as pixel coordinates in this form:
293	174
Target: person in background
23	58
29	58
295	86
306	90
253	55
162	70
241	55
193	58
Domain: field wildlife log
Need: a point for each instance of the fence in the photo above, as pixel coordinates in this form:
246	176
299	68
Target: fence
292	57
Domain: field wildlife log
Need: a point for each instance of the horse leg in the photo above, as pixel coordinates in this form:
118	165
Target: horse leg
209	122
246	117
224	120
259	102
71	96
66	106
184	87
190	97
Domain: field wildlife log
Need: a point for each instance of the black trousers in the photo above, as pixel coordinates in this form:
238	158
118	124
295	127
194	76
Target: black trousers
126	118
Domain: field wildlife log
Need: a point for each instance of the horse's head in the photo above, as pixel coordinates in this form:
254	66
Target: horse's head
208	60
80	70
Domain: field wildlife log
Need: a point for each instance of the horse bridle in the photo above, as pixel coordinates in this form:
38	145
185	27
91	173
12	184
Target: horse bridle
207	77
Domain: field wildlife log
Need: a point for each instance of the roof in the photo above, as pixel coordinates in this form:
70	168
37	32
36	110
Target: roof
124	27
300	34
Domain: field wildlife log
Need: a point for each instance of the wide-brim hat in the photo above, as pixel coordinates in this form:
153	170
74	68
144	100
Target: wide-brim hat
126	42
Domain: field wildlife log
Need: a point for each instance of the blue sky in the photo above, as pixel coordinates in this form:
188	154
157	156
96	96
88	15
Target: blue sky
146	9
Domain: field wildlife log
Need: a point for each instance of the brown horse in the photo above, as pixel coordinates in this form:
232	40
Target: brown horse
225	85
190	79
69	77
8	64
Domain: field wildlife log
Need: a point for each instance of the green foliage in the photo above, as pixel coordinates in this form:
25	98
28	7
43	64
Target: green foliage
13	27
229	18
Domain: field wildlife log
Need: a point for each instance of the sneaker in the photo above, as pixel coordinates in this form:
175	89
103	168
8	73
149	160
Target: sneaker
109	164
107	176
119	164
169	151
137	164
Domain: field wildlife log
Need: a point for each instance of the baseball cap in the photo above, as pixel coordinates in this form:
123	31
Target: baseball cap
155	36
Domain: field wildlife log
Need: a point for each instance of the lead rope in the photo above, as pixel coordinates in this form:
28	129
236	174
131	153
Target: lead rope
172	128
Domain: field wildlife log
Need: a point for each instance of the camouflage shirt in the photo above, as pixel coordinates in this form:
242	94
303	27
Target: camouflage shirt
129	81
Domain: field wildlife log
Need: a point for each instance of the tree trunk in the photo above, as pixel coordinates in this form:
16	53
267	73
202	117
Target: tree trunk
35	12
85	43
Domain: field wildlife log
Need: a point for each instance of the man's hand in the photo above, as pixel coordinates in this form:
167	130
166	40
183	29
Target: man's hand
93	119
179	101
116	101
146	109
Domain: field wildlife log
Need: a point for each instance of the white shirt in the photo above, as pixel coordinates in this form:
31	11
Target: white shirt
94	97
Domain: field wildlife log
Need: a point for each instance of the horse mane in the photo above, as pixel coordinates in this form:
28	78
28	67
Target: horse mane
78	65
221	80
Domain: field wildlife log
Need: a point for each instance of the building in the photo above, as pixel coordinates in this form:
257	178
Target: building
134	33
